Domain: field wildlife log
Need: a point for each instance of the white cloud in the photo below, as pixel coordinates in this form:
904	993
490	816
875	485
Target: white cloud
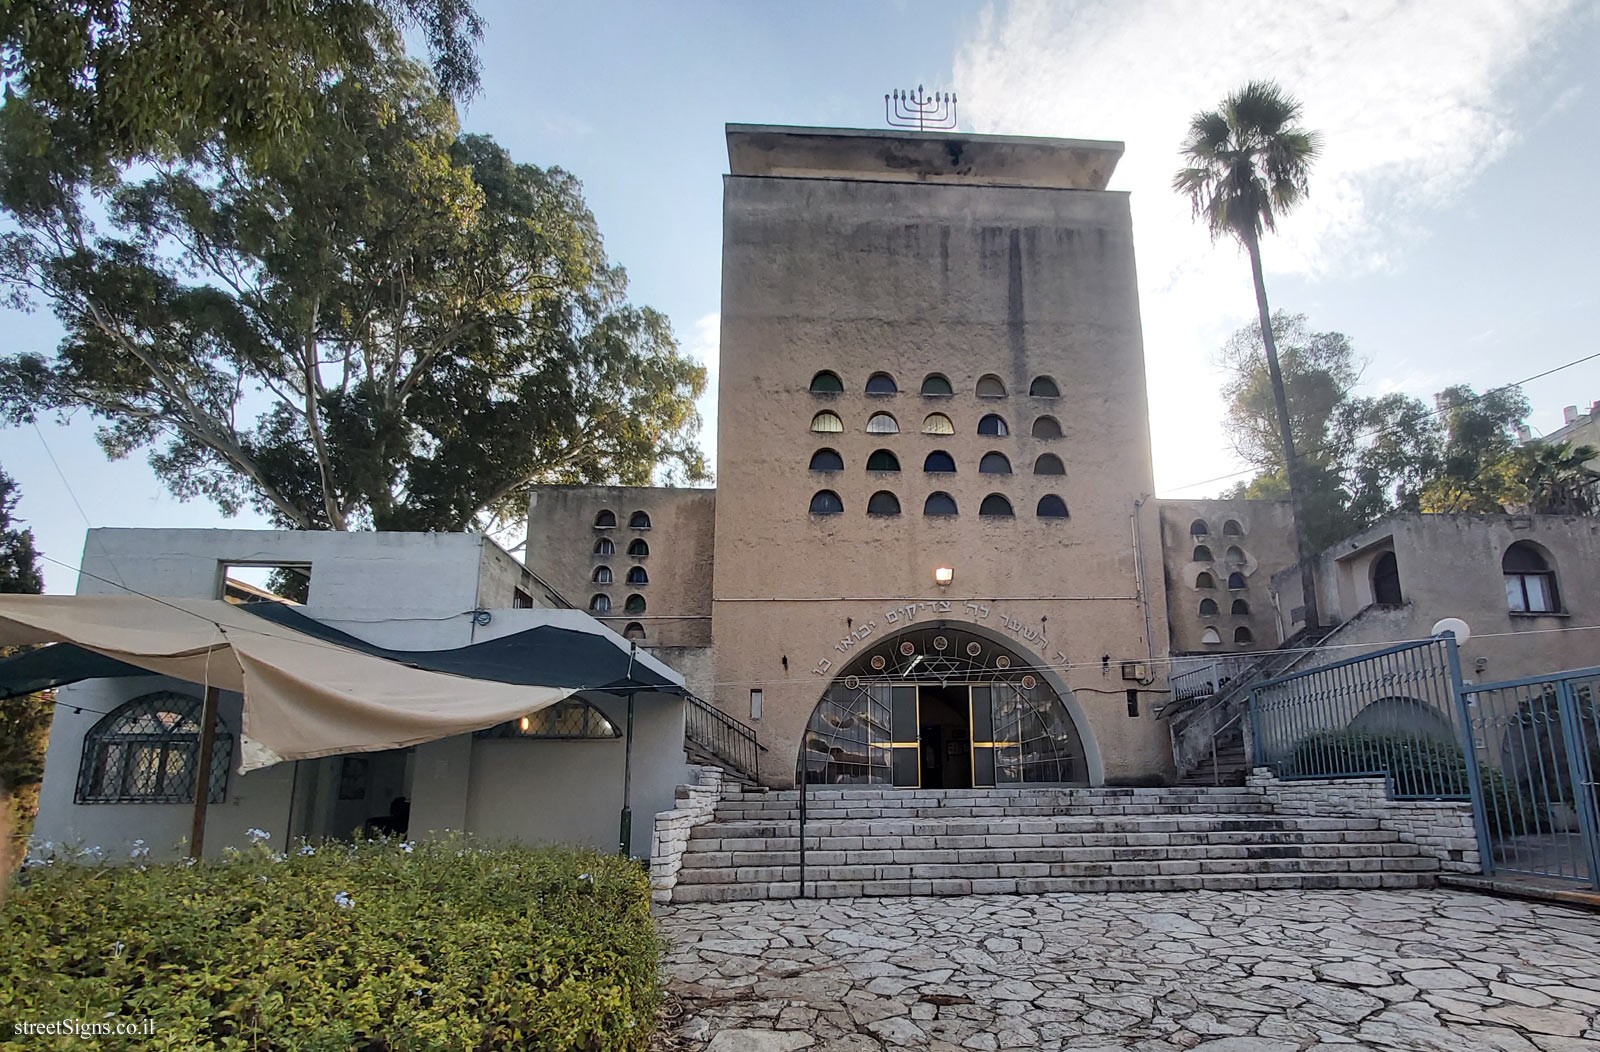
1410	97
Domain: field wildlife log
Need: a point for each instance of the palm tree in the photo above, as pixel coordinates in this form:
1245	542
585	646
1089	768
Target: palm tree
1248	163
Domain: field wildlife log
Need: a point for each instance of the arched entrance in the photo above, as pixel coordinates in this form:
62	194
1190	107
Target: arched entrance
943	706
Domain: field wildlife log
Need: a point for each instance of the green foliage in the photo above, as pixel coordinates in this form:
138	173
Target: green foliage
450	946
19	563
1319	369
396	326
110	83
24	721
1417	765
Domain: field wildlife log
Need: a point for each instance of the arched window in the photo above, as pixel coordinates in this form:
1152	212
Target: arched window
1231	528
1530	580
936	385
146	751
939	461
1386	581
937	424
993	425
826	502
881	384
1051	507
1044	387
883	460
1211	637
883	503
634	631
1235	581
939	503
637	575
991	386
1243	635
827	382
1048	464
605	521
638	549
995	506
1198	528
600	604
1234	555
994	464
634	605
827	460
604	547
1046	427
1241	607
602	575
882	424
1208	608
567	719
827	423
1205	580
639	521
1202	554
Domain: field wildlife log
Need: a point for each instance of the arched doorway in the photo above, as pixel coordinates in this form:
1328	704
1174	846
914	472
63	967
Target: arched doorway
943	706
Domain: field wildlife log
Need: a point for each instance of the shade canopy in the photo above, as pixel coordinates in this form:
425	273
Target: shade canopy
311	689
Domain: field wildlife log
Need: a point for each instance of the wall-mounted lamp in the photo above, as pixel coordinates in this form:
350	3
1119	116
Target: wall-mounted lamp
943	576
525	724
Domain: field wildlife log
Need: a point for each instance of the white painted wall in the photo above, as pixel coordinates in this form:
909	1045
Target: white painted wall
409	591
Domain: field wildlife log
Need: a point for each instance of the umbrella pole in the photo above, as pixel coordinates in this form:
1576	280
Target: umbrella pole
625	848
202	772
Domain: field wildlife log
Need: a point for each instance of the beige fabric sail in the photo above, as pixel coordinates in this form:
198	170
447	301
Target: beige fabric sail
303	697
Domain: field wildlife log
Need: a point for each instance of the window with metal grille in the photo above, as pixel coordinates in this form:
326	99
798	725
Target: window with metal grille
883	503
146	751
883	460
995	506
573	718
827	382
827	460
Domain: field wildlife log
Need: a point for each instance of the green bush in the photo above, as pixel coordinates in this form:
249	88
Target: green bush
1417	766
373	946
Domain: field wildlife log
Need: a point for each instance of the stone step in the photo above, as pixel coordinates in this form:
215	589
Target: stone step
1048	885
1110	811
950	856
1019	870
718	829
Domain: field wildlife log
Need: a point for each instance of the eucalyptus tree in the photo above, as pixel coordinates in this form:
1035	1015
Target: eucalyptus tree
395	326
1247	163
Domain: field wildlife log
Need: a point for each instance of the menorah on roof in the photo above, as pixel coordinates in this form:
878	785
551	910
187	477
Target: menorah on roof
906	109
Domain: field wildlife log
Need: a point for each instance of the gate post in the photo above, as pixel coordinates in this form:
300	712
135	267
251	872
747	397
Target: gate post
1469	748
1577	749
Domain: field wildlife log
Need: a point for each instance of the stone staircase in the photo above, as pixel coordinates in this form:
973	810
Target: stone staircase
880	841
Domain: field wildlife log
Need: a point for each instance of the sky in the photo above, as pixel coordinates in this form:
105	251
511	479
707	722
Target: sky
1450	231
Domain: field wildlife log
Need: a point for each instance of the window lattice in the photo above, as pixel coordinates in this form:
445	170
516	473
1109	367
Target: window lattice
572	718
147	751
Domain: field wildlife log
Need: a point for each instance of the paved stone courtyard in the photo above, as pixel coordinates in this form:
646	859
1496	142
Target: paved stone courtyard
1223	972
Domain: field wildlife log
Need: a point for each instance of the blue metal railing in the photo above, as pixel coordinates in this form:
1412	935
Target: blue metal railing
1536	743
1393	713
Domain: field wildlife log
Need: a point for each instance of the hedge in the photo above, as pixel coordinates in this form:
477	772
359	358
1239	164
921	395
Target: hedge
1417	766
378	946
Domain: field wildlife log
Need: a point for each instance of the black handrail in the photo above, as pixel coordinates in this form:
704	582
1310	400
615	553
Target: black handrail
723	737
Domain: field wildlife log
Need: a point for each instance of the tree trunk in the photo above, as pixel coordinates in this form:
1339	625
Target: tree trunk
1307	557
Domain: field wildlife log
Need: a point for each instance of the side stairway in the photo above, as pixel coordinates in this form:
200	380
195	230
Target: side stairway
879	841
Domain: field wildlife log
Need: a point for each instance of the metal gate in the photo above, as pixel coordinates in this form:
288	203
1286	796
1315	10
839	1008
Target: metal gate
1537	746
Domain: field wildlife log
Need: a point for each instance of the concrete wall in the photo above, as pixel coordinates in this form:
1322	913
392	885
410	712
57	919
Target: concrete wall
1264	537
561	542
414	591
1450	567
856	275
